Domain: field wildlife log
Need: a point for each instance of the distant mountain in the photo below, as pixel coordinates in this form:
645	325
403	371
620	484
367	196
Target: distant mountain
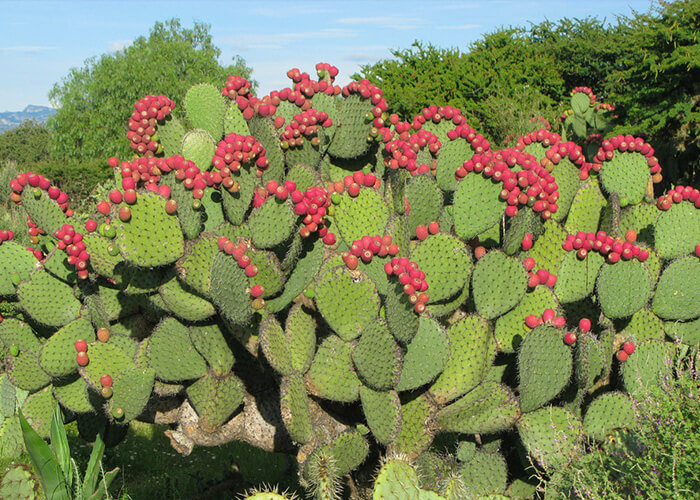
10	119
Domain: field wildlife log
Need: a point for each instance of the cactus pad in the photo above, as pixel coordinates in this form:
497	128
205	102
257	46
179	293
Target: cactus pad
172	354
677	230
623	288
426	355
215	399
489	407
477	205
332	375
552	436
377	357
294	405
498	284
58	354
607	412
446	263
48	300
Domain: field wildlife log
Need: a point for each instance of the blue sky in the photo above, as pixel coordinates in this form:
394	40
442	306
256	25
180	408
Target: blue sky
41	40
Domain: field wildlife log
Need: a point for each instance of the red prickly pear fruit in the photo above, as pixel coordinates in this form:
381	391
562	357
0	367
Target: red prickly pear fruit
529	264
103	334
257	291
130	196
106	381
543	275
91	226
570	338
113	161
533	281
421	232
644	255
329	239
628	347
170	207
584	325
551	281
531	321
582	253
388	268
526	243
54	192
82	358
622	356
479	252
369	180
115	196
81	345
103	208
548	315
124	214
631	235
351	261
559	322
697	250
251	270
354	189
433	227
419	307
164	191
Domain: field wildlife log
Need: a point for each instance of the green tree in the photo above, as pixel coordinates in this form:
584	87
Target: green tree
94	102
25	144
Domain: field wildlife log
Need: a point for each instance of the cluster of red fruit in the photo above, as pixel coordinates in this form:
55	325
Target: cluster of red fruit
533	186
6	236
584	326
324	70
478	142
436	114
612	248
367	247
584	90
37	253
548	316
539	277
622	143
542	136
233	152
308	87
148	111
353	183
423	231
305	124
594	139
238	252
367	90
72	242
34	231
677	195
567	150
235	86
402	153
263	106
604	106
625	351
39	182
412	279
312	205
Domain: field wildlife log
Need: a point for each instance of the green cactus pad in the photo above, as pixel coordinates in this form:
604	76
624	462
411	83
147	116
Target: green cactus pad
234	123
453	154
677	230
301	334
171	133
547	250
366	214
105	359
623	288
272	223
544	366
400	314
576	277
552	436
607	412
18	483
16	263
16	332
525	221
450	305
446	263
568	184
489	407
43	211
477	206
332	375
584	213
100	258
588	361
131	392
205	107
472	350
236	205
195	266
215	399
499	282
185	304
151	237
382	411
199	147
146	280
397	228
212	209
416	431
349	448
58	354
189	217
9	396
688	333
350	139
485	475
377	356
38	410
25	372
56	263
426	355
642	218
303	176
73	395
294	406
649	367
307	153
396	479
644	325
425	199
48	300
11	441
346	300
275	345
302	275
116	304
511	328
210	342
228	290
627	174
172	353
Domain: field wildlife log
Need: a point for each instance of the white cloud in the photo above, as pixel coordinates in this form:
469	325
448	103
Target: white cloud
386	22
116	45
284	12
27	49
278	39
260	46
459	27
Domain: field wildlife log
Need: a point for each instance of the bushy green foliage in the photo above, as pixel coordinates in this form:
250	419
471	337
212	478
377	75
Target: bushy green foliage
100	95
26	144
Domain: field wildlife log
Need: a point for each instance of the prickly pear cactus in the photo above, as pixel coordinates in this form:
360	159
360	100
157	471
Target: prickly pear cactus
311	274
